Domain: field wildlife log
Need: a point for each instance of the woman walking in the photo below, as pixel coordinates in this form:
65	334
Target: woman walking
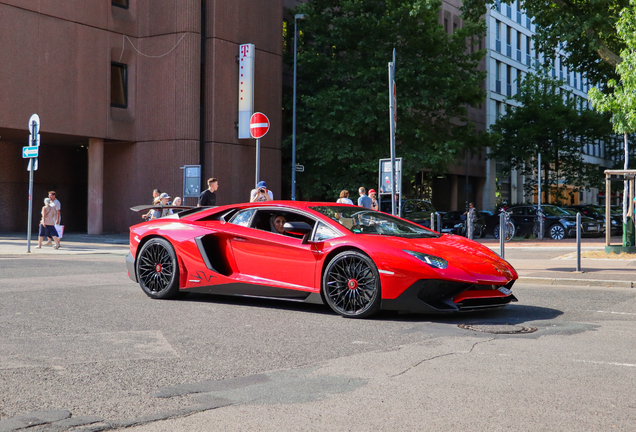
47	224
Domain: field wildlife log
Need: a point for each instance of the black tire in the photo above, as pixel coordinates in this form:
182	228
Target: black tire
511	228
557	232
351	285
158	269
495	232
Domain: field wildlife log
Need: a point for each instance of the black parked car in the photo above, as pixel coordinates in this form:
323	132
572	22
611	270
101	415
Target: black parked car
455	222
558	223
597	212
415	210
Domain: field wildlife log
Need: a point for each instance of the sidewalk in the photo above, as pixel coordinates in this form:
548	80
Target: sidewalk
553	262
540	262
71	244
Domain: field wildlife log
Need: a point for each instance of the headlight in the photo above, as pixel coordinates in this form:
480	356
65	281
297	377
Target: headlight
431	260
568	223
614	222
459	225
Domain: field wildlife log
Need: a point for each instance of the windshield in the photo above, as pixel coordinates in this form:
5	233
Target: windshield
363	221
550	210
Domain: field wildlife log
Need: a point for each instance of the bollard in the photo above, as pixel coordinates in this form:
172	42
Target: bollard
439	222
433	221
502	234
469	224
578	242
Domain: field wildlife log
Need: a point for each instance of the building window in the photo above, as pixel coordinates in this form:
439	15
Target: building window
508	41
497	36
120	3
498	77
497	110
118	85
508	81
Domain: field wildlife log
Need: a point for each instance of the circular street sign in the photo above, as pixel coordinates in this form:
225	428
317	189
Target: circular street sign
259	125
34	118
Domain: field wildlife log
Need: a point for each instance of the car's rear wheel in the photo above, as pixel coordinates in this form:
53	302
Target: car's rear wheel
158	269
557	232
351	285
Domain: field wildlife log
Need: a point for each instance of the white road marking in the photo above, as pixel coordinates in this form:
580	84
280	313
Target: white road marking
606	363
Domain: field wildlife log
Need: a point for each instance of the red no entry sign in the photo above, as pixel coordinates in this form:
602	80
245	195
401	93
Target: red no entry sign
259	125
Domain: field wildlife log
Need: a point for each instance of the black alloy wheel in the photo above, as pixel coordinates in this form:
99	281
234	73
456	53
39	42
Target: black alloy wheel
351	285
557	232
158	269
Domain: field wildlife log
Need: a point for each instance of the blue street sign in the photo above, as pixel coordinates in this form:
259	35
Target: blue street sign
30	152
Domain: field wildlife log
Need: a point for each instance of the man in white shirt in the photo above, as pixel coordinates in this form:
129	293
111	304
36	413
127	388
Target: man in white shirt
261	193
58	211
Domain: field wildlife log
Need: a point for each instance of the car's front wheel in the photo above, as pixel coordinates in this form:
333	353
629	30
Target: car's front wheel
557	232
351	285
158	269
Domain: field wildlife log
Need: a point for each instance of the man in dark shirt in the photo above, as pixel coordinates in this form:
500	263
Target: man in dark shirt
208	197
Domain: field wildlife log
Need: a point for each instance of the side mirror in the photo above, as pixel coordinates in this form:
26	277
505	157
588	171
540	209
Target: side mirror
298	228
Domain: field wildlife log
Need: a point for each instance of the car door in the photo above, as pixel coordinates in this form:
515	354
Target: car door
269	258
519	217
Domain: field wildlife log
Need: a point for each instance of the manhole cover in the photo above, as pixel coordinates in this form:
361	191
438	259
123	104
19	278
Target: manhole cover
498	328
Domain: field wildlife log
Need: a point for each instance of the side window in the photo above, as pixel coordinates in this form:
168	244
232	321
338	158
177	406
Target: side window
243	218
323	232
518	211
531	211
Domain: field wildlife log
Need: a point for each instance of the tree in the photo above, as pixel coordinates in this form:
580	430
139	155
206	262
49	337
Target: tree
620	101
343	98
547	121
583	31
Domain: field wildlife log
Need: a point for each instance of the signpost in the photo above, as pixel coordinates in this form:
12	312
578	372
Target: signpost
392	124
32	152
259	126
385	186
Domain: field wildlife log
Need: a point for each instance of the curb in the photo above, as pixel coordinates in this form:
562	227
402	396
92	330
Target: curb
578	282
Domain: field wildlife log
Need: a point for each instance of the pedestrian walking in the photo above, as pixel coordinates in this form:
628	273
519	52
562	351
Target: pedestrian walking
344	197
261	193
364	200
58	213
155	194
163	200
47	224
208	196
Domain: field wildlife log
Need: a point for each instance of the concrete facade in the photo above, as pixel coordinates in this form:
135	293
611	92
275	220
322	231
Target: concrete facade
182	103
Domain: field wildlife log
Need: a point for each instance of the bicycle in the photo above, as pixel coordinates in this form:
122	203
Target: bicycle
509	227
538	219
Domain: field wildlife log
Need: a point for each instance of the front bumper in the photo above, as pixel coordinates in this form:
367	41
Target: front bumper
441	296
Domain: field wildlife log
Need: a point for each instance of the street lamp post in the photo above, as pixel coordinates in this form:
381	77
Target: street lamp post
293	188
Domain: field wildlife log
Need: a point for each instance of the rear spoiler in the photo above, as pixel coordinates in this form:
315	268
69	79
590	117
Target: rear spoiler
145	208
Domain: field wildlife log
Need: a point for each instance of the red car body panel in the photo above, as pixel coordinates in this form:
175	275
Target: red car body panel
249	257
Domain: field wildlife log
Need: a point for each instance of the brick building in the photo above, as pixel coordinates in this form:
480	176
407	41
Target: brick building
128	92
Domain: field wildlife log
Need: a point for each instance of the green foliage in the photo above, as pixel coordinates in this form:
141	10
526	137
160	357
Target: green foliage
583	31
548	122
343	97
621	102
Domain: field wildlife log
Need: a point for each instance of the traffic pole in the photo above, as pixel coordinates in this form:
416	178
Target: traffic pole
578	242
502	234
31	166
258	163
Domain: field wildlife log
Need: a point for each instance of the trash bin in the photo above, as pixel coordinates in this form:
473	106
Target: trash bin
628	233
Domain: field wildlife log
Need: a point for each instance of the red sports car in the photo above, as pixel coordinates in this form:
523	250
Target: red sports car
356	260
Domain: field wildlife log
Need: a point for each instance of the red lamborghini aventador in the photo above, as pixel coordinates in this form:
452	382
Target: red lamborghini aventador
356	260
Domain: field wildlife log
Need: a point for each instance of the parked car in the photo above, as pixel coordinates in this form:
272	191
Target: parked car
558	222
597	212
415	210
455	222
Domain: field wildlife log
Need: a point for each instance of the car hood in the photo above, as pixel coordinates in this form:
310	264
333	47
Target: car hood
476	260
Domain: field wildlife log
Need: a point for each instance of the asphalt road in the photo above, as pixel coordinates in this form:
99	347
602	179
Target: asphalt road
78	339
